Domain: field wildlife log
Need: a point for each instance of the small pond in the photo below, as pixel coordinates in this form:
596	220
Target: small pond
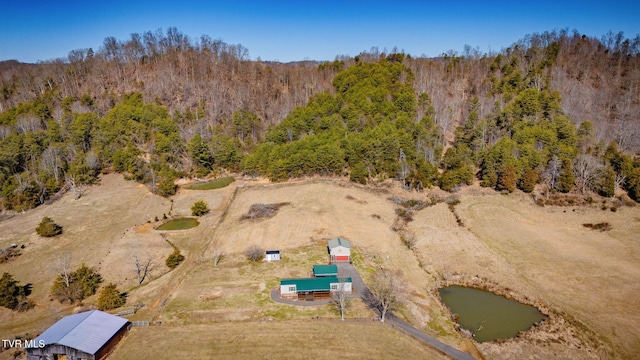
179	224
488	316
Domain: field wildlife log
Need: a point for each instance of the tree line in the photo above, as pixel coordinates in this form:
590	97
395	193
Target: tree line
165	110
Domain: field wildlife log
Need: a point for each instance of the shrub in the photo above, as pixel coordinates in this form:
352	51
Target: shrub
258	211
254	253
48	228
167	186
451	179
8	254
408	239
199	208
88	280
12	295
566	178
529	179
358	174
174	259
111	298
405	215
77	285
452	200
507	179
603	226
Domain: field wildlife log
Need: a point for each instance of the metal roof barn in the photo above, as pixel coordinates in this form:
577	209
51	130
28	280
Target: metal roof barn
89	333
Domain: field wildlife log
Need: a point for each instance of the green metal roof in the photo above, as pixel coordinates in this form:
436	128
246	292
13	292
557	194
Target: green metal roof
325	270
314	284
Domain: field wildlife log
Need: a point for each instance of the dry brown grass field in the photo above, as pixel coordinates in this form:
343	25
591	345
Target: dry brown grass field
544	254
272	340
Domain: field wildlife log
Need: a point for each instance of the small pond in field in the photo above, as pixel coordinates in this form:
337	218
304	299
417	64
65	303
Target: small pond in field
489	316
179	224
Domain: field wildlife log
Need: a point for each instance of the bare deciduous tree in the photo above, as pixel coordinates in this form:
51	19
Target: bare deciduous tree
586	169
627	135
71	184
52	161
62	266
387	290
341	301
5	131
143	267
254	253
28	122
552	171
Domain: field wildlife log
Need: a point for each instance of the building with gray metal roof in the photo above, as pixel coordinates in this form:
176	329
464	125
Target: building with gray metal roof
339	250
88	335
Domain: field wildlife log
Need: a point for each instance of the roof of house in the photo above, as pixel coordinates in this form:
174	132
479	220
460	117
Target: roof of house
339	242
270	252
88	331
325	270
314	284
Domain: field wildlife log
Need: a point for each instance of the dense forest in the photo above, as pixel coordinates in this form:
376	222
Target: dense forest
558	109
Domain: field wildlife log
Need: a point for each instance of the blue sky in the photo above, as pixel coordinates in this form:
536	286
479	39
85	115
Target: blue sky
296	30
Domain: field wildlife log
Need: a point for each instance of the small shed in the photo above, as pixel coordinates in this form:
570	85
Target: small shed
339	250
313	288
272	255
325	270
88	335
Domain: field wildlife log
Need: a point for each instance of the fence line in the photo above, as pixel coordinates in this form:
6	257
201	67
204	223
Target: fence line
126	312
140	323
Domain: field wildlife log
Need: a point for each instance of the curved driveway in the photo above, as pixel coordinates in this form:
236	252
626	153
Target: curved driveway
362	291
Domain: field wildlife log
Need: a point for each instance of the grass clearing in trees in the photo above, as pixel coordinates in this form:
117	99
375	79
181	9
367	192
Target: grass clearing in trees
179	224
211	185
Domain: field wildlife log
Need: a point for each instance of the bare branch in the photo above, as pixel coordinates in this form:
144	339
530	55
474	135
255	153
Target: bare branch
340	300
62	266
387	290
143	267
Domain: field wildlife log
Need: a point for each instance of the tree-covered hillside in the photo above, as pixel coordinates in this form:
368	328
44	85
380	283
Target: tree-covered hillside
369	128
557	109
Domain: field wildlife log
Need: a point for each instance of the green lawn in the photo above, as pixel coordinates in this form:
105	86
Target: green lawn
179	224
210	185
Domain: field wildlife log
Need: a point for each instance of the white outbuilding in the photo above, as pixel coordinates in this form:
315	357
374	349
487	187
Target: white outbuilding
272	255
339	250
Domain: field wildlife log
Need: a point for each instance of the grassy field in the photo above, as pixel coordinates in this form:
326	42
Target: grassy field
211	185
103	229
272	340
100	229
179	224
544	254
